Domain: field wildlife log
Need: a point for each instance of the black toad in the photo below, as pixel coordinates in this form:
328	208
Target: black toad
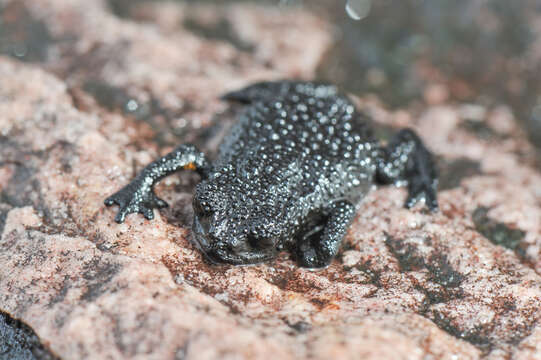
290	173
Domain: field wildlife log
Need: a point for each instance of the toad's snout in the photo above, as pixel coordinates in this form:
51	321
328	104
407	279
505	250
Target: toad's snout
236	251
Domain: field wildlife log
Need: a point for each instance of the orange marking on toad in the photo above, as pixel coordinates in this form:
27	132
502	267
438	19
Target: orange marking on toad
189	166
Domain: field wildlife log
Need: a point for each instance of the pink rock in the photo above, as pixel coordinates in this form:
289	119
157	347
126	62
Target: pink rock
407	284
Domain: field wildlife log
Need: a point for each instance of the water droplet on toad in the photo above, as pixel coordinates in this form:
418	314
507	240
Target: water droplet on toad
358	9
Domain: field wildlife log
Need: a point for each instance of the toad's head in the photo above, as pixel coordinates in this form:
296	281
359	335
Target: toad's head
234	223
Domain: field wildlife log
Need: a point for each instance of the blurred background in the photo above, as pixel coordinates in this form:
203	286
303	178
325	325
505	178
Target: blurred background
486	53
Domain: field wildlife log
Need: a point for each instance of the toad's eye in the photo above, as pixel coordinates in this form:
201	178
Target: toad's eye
201	208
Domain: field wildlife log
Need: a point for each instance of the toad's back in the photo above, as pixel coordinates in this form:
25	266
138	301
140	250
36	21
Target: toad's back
304	138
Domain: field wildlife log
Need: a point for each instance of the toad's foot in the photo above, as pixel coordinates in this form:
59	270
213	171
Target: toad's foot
136	197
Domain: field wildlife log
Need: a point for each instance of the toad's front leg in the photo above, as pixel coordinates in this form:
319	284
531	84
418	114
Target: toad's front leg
138	196
317	248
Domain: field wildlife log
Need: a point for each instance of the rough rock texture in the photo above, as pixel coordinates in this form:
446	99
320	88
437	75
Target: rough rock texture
104	95
18	341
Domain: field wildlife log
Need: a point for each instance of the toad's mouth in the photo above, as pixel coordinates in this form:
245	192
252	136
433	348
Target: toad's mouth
217	254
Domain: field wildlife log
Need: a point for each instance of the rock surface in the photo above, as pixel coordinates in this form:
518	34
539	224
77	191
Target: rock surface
102	95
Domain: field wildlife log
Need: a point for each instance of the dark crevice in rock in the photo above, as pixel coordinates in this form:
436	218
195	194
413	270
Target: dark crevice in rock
19	341
169	125
98	273
20	188
442	272
481	130
452	172
221	31
410	259
367	269
442	286
108	96
405	253
382	132
55	223
288	280
22	36
180	213
118	334
182	352
300	327
89	64
500	234
4	209
24	189
477	336
61	294
123	8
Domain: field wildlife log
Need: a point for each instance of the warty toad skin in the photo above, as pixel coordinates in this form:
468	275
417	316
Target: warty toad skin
289	174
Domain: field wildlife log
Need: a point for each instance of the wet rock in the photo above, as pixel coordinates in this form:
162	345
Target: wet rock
470	51
18	341
221	30
22	35
430	284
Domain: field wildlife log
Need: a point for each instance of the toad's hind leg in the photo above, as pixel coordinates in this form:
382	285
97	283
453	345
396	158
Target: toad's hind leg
407	159
317	248
138	196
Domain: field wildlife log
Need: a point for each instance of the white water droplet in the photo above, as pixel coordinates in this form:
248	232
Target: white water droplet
358	9
132	105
